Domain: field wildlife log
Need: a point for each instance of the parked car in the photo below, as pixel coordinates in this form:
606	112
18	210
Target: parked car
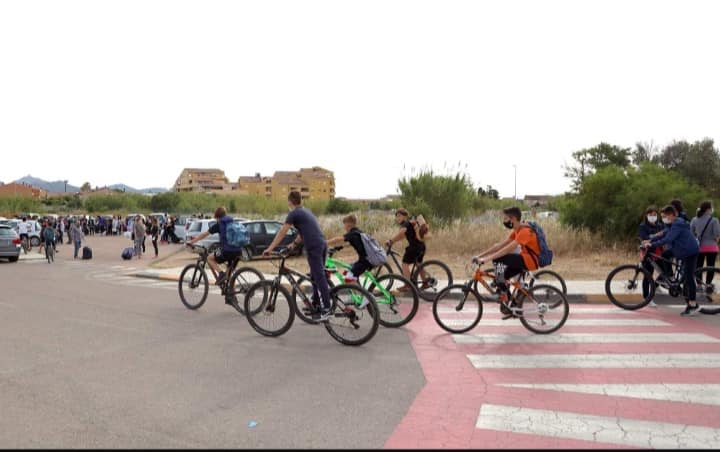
10	246
182	223
261	232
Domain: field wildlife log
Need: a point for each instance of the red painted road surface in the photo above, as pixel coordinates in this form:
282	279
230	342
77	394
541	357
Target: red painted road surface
447	411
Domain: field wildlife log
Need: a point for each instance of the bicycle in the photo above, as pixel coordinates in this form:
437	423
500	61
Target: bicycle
623	284
547	313
547	277
194	282
353	308
396	308
26	245
50	252
436	272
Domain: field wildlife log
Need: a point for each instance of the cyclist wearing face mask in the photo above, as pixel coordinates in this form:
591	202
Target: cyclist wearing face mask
650	228
684	246
516	252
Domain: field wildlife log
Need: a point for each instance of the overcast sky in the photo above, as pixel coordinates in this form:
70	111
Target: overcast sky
134	91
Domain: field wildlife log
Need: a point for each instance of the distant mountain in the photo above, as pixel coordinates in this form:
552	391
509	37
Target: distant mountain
54	187
59	186
128	189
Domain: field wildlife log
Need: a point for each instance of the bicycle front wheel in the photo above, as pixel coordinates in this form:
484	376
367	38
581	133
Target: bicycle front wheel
458	309
193	286
240	282
397	307
268	308
549	278
705	279
431	278
544	310
355	317
624	287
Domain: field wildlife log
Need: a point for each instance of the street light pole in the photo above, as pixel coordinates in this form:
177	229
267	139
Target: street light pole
515	166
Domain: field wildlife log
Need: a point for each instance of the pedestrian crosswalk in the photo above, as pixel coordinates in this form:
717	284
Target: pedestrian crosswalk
646	378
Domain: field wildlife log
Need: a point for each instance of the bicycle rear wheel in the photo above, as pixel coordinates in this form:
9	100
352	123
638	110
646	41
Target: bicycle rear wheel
193	286
623	287
396	308
544	310
705	278
268	308
549	278
431	278
350	322
240	282
458	309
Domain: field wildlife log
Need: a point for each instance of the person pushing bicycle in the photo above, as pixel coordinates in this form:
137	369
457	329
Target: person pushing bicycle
516	254
315	247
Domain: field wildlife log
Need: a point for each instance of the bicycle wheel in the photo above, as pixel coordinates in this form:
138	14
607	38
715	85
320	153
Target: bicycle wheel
623	287
549	278
193	286
458	309
431	278
351	324
544	310
396	308
299	302
705	282
268	308
381	270
240	282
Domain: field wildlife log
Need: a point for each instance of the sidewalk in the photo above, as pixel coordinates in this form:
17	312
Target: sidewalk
578	291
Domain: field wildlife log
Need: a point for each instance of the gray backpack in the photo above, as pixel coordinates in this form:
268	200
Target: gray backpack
376	255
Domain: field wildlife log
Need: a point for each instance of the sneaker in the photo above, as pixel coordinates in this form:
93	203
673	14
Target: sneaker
322	316
363	303
652	304
691	310
220	279
404	288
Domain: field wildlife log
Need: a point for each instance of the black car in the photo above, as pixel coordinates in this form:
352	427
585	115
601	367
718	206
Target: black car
262	233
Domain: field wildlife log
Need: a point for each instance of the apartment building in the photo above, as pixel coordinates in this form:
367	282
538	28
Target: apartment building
203	180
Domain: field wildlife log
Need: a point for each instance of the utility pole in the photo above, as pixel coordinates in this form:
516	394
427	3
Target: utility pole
515	166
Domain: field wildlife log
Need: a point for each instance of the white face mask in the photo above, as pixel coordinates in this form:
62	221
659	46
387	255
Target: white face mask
667	220
652	218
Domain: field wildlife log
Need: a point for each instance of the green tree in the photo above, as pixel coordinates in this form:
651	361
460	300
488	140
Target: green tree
587	161
612	200
165	202
85	187
443	198
698	163
339	206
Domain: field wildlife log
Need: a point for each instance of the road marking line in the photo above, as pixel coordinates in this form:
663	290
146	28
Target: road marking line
577	338
707	394
569	322
573	310
601	429
598	361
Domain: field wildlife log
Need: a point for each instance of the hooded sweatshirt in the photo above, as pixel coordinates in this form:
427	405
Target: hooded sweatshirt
680	238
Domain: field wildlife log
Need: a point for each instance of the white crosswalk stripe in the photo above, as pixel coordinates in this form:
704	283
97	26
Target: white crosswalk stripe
577	338
569	322
597	361
615	430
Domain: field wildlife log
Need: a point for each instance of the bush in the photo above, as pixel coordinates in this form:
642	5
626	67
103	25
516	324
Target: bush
612	201
339	206
441	198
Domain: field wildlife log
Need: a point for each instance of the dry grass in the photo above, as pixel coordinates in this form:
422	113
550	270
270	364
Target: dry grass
579	255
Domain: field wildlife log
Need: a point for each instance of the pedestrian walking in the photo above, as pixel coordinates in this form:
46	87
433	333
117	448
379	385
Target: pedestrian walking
76	236
139	233
154	235
707	230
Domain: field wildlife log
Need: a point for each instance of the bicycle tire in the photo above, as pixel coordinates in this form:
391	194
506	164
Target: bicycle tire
559	301
384	269
703	288
445	304
197	278
442	277
351	313
240	282
546	277
390	303
261	304
629	285
299	302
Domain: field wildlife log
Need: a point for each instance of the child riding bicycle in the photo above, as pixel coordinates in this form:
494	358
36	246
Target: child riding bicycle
354	238
515	255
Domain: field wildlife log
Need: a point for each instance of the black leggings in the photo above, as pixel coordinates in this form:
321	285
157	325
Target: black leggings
710	263
514	265
154	242
689	264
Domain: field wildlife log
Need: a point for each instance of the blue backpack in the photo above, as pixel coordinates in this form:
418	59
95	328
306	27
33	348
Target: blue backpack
236	234
546	255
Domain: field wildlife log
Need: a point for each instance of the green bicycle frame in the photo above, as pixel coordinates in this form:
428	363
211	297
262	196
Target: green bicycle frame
336	267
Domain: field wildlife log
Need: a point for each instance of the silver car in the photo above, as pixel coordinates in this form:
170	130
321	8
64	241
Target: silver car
9	244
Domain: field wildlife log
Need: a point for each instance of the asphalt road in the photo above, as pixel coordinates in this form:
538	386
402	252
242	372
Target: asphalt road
91	364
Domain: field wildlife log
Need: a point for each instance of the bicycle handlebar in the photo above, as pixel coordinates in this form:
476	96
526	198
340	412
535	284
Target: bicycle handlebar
334	250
